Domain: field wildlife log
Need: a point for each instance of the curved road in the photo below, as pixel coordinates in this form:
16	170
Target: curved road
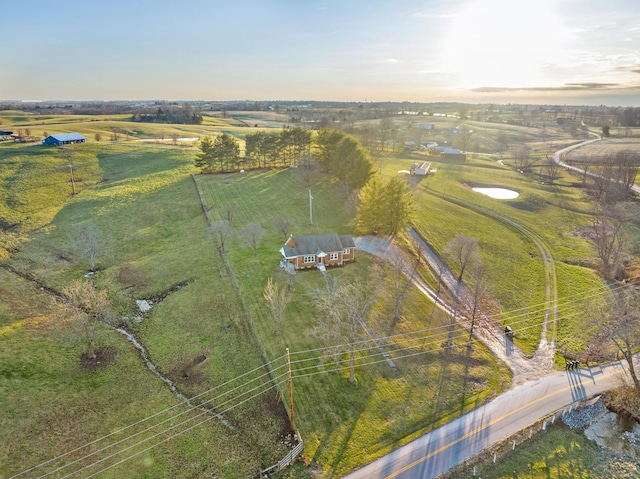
440	450
557	157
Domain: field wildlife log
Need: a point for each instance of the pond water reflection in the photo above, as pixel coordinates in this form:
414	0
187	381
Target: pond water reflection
497	193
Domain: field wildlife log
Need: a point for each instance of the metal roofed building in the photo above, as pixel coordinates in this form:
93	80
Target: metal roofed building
64	139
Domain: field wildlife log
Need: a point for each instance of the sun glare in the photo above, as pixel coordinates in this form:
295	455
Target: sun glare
504	43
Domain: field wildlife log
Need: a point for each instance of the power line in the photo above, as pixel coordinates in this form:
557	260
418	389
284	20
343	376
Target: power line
389	342
165	411
163	440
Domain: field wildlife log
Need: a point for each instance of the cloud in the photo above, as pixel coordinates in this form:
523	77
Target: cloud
565	88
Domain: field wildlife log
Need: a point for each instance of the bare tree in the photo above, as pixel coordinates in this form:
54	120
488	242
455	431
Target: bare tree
90	243
90	306
221	231
283	224
345	308
229	210
464	251
615	176
399	281
552	170
386	131
174	138
252	235
115	134
97	136
477	296
523	159
608	239
277	298
618	321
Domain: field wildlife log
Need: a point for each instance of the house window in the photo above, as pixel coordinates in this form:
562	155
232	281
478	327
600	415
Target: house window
347	251
334	256
309	259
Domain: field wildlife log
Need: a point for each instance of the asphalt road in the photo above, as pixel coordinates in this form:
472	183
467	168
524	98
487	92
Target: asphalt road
440	450
444	448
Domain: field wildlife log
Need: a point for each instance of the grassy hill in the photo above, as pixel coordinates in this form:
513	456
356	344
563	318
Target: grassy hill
210	330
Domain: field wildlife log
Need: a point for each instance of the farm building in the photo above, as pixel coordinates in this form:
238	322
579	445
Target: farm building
451	153
5	135
64	139
421	169
319	251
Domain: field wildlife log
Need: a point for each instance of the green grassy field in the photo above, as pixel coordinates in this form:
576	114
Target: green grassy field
344	425
142	198
147	205
558	453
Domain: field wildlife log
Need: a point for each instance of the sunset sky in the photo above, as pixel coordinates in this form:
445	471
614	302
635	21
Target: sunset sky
539	51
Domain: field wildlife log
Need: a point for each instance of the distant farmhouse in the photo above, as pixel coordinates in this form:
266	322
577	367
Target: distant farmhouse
64	139
317	251
451	153
445	151
421	169
6	135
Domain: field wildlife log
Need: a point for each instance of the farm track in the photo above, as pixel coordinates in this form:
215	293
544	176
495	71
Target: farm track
546	348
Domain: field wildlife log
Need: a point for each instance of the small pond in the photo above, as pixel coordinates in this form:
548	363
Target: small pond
497	193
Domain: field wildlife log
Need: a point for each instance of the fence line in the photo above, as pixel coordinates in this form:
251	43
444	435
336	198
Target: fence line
285	461
499	449
289	458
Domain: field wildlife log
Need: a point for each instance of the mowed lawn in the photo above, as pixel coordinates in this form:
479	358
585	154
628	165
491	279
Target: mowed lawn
345	425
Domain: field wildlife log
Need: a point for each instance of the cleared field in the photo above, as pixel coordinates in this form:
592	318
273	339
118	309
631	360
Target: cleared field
600	149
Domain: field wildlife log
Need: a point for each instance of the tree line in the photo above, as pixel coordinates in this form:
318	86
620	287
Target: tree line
383	208
339	154
184	115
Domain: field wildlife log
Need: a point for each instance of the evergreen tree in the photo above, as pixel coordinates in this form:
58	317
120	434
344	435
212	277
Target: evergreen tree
398	203
371	209
205	159
385	208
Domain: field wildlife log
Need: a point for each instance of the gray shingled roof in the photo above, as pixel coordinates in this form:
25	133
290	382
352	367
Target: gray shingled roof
326	243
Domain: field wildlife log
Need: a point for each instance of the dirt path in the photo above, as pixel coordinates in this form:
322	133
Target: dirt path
524	368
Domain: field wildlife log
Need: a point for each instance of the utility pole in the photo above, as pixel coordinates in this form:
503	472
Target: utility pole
293	427
310	208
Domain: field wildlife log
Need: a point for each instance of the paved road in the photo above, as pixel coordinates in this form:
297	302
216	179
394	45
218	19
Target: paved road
557	157
444	448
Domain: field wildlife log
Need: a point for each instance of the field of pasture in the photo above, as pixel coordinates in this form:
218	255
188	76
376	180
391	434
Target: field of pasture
553	215
210	325
598	150
236	123
146	206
